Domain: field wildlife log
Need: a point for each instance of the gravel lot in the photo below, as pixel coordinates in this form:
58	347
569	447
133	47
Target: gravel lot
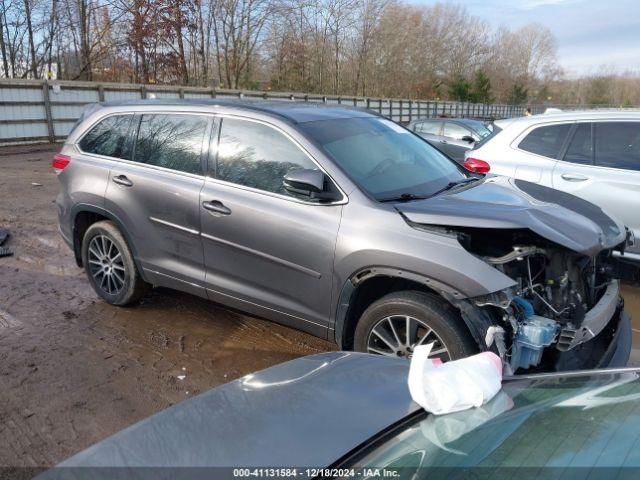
74	370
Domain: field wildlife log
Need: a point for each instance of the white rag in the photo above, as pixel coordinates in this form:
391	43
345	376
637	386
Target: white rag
448	387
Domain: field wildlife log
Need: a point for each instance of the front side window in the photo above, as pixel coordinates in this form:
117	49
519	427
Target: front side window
172	141
428	127
110	137
580	148
382	158
453	130
618	145
546	141
258	156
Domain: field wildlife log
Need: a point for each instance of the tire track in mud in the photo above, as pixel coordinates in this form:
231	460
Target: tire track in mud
120	364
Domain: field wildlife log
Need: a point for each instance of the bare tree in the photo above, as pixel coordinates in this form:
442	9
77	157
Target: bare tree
32	48
3	48
369	12
237	30
202	40
179	22
366	47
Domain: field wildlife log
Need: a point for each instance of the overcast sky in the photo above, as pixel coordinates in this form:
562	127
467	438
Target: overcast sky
591	33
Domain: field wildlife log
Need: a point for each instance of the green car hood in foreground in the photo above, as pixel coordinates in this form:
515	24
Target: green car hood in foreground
329	409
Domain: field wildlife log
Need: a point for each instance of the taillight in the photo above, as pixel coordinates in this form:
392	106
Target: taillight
476	165
60	162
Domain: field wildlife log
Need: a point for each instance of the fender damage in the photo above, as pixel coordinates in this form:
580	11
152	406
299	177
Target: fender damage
564	308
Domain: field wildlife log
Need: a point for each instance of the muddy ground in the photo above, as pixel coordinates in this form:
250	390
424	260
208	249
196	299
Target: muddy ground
74	370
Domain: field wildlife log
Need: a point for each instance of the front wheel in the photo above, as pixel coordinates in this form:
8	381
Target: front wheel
400	321
109	265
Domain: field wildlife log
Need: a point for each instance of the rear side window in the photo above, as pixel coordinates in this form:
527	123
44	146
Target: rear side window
580	149
110	137
258	156
172	141
428	127
618	145
546	141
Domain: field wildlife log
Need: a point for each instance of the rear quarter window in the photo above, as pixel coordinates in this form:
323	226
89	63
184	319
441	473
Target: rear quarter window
546	141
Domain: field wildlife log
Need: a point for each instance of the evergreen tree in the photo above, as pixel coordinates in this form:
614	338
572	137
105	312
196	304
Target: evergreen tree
481	91
459	89
519	94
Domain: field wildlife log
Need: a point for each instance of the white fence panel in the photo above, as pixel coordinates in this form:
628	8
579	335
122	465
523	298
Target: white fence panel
34	111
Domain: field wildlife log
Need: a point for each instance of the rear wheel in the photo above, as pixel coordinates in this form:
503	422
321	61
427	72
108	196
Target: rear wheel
400	321
109	265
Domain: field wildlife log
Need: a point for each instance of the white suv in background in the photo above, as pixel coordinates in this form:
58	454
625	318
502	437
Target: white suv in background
592	154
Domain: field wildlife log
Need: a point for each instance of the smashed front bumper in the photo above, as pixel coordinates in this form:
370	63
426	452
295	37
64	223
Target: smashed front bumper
617	355
594	321
610	348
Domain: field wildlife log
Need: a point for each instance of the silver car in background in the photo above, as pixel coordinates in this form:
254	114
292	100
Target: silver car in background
452	136
591	154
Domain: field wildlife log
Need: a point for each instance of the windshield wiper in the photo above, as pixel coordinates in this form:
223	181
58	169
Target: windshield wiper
451	185
408	197
403	197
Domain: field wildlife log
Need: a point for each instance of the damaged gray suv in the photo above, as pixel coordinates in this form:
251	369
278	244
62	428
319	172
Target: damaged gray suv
343	224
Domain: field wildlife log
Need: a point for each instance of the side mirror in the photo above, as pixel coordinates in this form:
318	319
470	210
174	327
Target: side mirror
468	139
309	183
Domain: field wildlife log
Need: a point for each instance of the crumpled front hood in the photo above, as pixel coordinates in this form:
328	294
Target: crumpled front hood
506	203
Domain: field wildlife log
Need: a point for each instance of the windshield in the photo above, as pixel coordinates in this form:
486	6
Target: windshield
481	129
382	158
496	130
590	421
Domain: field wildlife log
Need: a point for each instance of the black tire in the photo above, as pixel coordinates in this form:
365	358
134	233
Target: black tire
431	311
132	286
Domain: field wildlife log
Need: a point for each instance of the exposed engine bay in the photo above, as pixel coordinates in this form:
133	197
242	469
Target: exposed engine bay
544	262
561	299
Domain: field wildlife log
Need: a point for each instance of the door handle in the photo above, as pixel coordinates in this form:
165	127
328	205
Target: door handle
216	206
122	180
572	177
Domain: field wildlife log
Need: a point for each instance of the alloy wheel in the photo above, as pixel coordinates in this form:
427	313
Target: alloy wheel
399	335
106	265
